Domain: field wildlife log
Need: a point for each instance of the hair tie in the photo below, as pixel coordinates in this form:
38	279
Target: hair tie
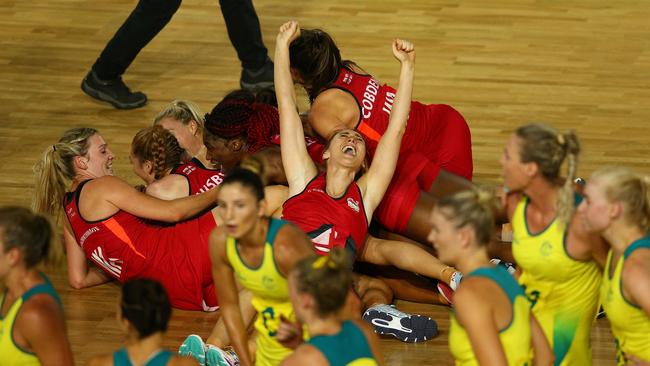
320	262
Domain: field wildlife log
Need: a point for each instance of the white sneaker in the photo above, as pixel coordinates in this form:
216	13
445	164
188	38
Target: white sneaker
386	319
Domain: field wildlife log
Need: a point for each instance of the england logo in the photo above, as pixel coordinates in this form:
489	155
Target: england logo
353	204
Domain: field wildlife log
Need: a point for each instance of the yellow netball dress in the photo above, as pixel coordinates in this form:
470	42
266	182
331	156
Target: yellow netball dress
630	324
270	297
10	352
515	338
563	291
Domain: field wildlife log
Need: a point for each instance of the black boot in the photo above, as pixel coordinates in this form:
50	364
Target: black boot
112	91
257	79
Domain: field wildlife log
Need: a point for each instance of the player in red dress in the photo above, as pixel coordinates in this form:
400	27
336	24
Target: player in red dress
115	226
334	206
435	156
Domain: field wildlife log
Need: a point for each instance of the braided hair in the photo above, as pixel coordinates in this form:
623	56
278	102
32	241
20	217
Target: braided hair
242	117
158	146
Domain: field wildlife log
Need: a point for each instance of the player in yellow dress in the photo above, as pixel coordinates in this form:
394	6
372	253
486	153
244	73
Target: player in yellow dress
32	324
617	206
492	321
319	288
550	244
260	252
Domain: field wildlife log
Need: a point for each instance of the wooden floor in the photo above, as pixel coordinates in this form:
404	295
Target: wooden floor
574	64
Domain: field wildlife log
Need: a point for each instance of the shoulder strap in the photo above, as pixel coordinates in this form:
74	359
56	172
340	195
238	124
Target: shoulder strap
160	359
274	227
43	288
121	358
502	278
639	244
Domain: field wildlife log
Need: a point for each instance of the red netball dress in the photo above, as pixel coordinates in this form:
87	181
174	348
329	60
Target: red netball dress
329	222
125	246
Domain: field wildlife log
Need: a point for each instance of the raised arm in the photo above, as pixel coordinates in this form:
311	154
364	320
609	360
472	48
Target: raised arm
375	182
298	166
224	281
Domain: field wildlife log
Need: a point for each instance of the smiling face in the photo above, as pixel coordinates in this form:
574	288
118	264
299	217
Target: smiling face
595	208
515	173
239	209
445	238
223	153
98	161
347	147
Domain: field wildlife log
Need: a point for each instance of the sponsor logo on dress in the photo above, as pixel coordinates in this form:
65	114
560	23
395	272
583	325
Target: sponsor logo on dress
112	265
189	169
88	233
347	78
212	182
353	204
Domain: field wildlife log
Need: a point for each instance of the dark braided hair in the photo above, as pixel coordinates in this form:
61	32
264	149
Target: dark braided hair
242	117
158	146
145	304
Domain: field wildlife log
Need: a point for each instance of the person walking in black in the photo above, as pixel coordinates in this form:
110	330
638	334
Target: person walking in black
104	80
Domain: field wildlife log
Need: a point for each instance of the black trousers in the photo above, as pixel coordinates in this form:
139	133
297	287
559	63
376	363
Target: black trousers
150	16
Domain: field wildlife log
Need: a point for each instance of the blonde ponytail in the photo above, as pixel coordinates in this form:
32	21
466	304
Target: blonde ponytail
55	170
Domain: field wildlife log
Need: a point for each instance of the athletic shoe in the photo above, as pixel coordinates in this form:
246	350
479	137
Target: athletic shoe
215	356
387	320
112	91
257	79
193	346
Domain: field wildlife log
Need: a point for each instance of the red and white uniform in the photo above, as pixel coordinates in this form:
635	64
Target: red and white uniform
199	178
436	137
329	222
126	246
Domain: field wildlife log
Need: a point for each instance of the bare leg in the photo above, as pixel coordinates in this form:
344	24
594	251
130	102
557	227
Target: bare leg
372	291
406	256
219	336
405	285
448	183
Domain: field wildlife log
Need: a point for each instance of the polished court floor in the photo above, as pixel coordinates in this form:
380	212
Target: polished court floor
583	65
